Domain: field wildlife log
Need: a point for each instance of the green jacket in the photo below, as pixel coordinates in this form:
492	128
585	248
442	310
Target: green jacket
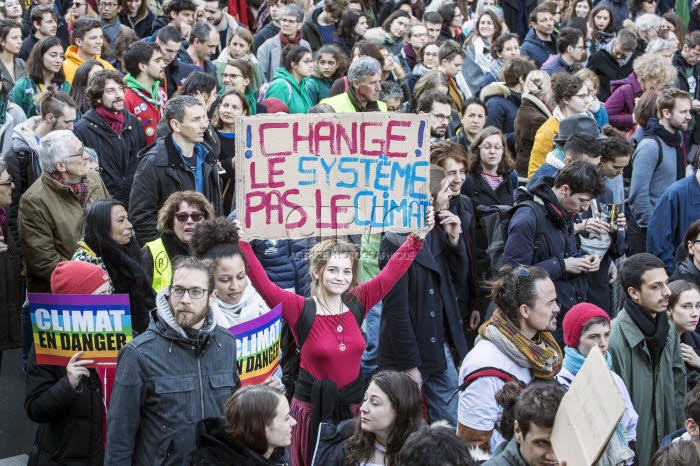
293	94
657	395
318	88
25	90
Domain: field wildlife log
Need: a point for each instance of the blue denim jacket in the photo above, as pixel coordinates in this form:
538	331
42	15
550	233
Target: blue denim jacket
166	382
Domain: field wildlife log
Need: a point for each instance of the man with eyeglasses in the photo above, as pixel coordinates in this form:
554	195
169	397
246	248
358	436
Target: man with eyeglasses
113	131
614	61
416	38
51	209
270	53
572	51
268	20
181	370
144	96
179	161
111	26
87	40
439	107
646	353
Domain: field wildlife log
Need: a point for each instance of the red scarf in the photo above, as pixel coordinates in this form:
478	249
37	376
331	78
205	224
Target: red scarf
293	42
80	189
115	120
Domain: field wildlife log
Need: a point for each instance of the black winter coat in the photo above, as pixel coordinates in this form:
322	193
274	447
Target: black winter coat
692	339
420	313
682	83
175	74
11	292
24	168
216	448
558	243
332	446
607	68
70	421
467	293
480	193
160	173
686	270
118	153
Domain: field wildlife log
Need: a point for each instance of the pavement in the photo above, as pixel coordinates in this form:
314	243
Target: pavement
16	430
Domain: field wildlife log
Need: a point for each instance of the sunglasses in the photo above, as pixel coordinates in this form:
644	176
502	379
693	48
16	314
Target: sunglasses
195	216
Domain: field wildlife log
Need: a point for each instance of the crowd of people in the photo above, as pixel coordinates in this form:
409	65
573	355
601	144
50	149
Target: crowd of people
563	176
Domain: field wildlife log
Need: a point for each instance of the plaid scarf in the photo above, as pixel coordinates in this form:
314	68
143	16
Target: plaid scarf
544	358
79	188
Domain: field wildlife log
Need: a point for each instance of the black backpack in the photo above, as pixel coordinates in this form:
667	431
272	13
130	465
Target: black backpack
292	350
495	220
627	171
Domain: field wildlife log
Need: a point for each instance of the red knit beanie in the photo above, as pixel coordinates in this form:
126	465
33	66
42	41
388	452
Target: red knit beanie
576	318
274	105
77	277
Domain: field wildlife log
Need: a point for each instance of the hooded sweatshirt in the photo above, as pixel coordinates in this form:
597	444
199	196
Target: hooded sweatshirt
292	93
146	104
73	61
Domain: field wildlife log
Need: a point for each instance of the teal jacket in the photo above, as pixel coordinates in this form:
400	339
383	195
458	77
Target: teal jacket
657	394
318	88
293	94
25	90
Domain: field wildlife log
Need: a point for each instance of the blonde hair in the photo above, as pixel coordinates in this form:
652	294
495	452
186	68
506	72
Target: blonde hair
321	254
586	74
539	84
654	67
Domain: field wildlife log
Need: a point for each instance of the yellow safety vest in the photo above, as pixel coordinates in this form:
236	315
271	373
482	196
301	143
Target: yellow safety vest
341	103
162	269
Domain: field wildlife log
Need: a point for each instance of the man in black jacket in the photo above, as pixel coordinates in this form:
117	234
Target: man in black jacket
177	162
175	71
686	63
116	134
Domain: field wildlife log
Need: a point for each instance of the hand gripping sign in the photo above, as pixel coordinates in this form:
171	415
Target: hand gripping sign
329	174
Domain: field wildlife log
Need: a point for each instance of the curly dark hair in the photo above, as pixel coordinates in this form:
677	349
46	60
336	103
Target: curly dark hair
564	87
510	289
615	146
215	240
96	86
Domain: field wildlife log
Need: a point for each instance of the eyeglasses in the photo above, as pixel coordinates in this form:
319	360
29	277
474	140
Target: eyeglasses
583	96
6	183
393	109
430	54
195	293
288	21
231	76
440	117
79	154
195	216
109	5
78	4
420	35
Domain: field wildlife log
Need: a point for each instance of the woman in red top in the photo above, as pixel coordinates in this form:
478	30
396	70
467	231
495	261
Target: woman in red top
329	383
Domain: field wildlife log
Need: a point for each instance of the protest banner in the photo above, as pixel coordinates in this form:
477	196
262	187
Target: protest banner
62	325
588	414
258	346
332	174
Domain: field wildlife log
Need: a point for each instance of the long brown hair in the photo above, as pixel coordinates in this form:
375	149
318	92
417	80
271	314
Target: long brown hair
405	399
322	252
504	167
248	412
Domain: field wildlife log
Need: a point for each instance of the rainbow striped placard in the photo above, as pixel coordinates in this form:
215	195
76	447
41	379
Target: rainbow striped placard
258	346
98	325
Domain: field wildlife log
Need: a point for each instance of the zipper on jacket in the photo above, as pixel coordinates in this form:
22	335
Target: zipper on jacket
201	387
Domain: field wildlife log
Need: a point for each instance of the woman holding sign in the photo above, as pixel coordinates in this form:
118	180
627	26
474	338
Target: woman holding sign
67	401
586	326
237	301
329	384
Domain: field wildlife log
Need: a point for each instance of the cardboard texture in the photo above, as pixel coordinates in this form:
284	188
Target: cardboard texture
588	415
331	174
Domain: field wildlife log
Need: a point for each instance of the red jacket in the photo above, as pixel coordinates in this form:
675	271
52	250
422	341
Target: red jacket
148	114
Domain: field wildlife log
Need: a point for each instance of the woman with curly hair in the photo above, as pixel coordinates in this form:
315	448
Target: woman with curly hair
330	64
351	28
601	27
390	412
650	73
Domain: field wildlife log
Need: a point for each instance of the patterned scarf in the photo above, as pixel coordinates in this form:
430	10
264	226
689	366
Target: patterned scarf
290	41
544	358
79	188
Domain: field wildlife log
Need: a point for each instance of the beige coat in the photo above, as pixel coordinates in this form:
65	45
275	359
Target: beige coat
49	226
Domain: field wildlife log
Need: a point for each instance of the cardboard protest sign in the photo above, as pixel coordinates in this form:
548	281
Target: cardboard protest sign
346	173
258	346
62	325
589	413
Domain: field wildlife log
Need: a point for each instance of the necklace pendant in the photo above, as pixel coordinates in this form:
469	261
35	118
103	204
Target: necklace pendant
340	328
342	347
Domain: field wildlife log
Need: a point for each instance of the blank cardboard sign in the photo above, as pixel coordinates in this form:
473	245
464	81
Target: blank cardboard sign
589	413
332	174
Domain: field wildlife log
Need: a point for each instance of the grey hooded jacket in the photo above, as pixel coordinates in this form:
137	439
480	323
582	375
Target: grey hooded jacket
167	381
